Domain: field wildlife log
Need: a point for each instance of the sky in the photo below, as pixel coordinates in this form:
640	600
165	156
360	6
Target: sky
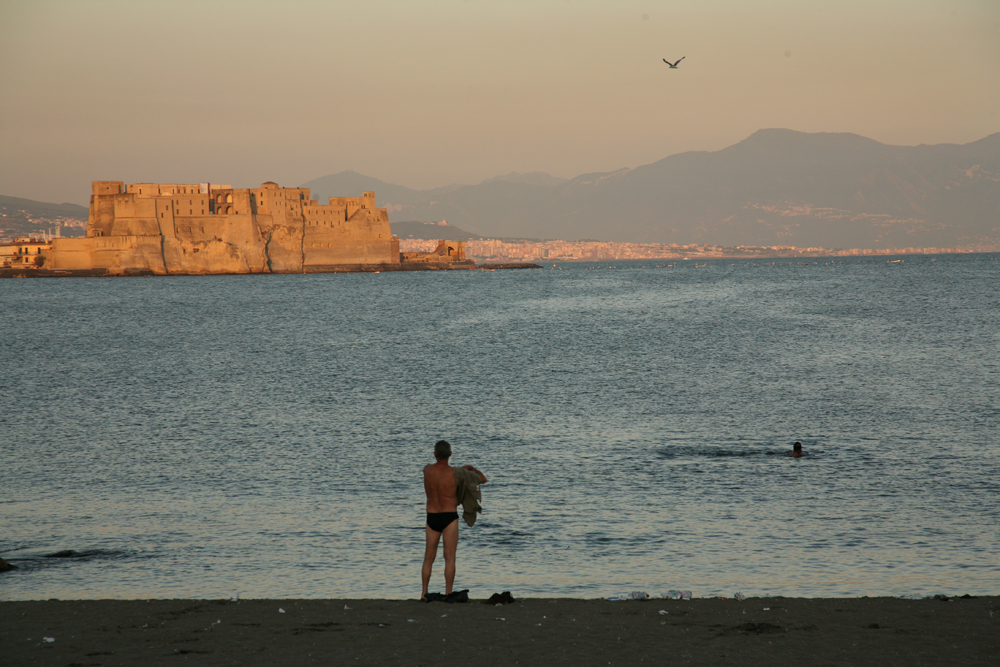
429	93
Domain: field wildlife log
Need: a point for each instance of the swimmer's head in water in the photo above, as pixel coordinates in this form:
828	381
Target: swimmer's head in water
797	449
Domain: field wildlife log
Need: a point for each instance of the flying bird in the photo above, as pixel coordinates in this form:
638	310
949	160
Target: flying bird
674	65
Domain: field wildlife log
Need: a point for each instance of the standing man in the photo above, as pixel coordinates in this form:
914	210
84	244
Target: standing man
443	485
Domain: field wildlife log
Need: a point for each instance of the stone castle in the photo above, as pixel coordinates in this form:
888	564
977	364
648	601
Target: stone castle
207	228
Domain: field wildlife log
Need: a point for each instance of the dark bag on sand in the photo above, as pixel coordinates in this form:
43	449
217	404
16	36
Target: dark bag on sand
457	596
500	598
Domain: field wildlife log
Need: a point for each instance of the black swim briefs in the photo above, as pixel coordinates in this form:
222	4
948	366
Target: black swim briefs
440	520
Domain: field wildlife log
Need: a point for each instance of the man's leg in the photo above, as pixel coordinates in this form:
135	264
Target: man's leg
430	551
450	548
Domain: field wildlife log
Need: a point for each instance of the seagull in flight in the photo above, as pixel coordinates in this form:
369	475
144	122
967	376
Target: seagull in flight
673	65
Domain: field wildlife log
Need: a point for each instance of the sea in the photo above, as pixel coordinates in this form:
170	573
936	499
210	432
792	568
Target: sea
263	436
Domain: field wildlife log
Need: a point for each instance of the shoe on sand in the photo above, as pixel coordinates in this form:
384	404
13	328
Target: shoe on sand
500	598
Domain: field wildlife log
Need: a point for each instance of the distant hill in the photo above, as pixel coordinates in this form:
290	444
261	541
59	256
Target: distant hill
430	230
777	187
23	217
531	178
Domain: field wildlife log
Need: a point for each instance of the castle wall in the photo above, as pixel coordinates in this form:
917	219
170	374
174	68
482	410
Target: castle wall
179	228
101	216
166	189
116	254
106	187
363	242
348	230
281	223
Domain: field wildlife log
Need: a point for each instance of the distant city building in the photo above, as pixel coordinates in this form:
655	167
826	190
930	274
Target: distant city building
498	250
24	253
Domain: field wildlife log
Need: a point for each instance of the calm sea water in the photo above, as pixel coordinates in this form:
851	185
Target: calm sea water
264	435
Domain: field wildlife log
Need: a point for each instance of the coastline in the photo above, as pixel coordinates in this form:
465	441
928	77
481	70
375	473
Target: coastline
534	631
333	268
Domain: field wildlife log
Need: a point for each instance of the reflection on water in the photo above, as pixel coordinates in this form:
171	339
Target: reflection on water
199	437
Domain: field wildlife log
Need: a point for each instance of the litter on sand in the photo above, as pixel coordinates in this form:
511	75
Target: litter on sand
643	595
634	595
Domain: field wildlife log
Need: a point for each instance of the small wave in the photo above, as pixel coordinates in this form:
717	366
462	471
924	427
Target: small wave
93	554
37	561
717	452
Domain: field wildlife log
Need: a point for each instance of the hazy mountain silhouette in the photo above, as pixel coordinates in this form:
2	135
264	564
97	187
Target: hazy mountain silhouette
43	209
530	178
415	229
22	217
775	187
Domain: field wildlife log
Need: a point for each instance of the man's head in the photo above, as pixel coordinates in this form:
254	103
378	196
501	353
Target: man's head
797	447
442	450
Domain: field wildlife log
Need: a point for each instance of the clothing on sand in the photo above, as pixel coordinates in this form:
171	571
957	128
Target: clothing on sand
450	598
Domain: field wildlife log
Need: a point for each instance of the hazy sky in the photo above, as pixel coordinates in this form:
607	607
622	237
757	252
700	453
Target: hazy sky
426	93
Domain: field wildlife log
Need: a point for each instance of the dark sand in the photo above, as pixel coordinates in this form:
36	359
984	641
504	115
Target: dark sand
794	631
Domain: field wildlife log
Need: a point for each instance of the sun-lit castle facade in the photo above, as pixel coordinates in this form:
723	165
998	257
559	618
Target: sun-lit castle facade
185	228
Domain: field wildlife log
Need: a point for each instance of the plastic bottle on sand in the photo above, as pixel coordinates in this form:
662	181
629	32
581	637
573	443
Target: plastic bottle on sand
632	595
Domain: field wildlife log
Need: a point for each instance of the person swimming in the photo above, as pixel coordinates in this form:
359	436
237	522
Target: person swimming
797	450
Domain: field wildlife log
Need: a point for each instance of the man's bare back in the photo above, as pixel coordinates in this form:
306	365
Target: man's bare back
440	487
442	515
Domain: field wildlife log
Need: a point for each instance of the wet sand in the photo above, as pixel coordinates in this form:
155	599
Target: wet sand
549	632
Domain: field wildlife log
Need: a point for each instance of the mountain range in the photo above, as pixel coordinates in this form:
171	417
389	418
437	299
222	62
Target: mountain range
776	187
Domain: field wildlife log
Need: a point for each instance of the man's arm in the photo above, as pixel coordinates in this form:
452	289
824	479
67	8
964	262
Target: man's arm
482	477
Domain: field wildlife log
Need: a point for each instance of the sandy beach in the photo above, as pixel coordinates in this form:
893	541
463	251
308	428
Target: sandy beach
755	631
